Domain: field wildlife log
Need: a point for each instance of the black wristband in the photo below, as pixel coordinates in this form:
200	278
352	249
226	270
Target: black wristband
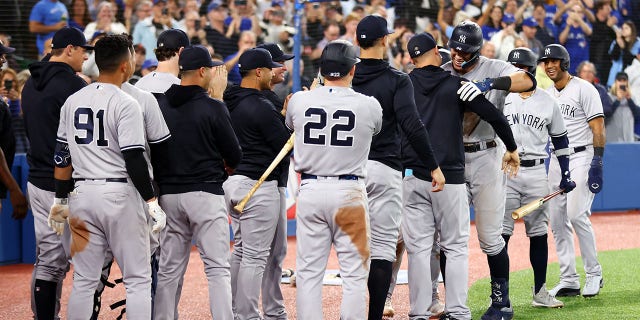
598	151
502	83
63	187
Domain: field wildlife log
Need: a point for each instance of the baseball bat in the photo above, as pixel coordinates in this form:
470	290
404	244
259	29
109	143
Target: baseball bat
533	205
283	153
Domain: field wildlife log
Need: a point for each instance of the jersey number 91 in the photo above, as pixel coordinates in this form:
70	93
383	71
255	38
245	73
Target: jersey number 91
83	120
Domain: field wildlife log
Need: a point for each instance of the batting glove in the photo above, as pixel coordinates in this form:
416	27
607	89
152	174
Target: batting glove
485	85
566	183
468	91
595	175
58	215
158	216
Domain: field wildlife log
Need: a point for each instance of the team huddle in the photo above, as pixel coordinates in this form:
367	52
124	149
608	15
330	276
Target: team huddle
388	161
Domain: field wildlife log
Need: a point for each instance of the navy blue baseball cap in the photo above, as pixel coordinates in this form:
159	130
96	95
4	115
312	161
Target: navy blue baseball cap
173	39
215	4
372	28
69	36
420	44
256	58
196	57
276	54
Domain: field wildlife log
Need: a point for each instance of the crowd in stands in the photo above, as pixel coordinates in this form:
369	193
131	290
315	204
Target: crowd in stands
602	32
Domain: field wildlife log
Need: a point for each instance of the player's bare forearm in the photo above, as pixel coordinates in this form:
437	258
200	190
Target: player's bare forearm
599	135
63	173
5	174
520	82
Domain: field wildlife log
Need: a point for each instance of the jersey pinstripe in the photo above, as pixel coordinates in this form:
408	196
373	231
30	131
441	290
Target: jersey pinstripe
579	103
485	68
333	127
155	127
157	82
99	122
533	120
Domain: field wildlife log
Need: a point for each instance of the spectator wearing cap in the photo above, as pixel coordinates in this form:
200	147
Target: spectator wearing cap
105	22
47	17
272	302
624	50
148	30
216	30
619	123
148	66
598	49
528	34
246	41
505	38
393	90
203	143
547	31
170	45
262	135
276	29
574	35
331	32
43	95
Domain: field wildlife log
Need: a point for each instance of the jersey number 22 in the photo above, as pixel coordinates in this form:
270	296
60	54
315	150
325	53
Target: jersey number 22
336	128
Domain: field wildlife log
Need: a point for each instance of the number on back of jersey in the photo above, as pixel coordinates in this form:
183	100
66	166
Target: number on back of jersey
89	125
318	127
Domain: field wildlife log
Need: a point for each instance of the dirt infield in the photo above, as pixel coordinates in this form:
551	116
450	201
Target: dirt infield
614	231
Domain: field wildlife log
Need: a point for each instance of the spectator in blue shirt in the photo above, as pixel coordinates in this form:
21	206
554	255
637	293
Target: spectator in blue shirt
575	36
47	17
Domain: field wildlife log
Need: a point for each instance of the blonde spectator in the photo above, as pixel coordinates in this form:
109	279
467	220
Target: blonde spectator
195	30
105	22
350	24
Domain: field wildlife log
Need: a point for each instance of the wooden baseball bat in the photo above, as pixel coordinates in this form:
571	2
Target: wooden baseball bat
283	153
533	205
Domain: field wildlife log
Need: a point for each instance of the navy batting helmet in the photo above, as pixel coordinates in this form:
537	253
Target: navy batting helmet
337	59
466	37
445	54
524	57
556	51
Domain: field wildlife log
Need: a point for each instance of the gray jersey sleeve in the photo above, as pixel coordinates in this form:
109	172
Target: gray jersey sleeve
556	128
62	125
130	124
155	127
591	103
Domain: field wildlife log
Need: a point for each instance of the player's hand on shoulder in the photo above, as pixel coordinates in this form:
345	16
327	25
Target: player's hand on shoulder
437	180
468	91
158	215
595	175
58	215
511	163
566	183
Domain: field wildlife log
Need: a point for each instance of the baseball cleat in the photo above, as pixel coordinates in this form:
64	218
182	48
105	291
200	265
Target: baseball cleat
498	313
565	289
544	299
388	309
592	286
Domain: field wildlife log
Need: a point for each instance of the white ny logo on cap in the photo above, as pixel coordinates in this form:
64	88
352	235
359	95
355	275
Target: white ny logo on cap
462	38
547	51
516	55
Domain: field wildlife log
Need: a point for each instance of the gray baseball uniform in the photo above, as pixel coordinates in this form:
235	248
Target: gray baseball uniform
485	181
333	132
98	123
579	103
157	82
533	120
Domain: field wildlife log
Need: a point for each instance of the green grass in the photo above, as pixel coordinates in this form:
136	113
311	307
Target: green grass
618	299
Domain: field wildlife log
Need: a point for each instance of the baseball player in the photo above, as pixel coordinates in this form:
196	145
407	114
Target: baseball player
190	177
582	113
44	93
534	117
333	128
272	299
447	212
170	44
393	90
262	135
485	181
101	140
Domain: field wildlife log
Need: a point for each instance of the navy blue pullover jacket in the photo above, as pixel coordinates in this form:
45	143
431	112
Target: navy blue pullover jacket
441	111
393	89
202	141
278	104
259	129
44	93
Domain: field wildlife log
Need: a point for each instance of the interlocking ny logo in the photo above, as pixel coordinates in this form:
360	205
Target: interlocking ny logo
516	55
547	51
462	38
